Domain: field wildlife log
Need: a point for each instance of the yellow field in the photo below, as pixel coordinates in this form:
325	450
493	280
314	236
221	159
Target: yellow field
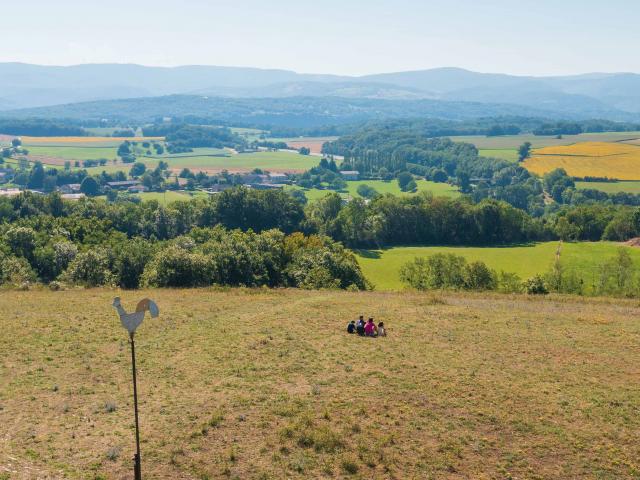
65	140
588	159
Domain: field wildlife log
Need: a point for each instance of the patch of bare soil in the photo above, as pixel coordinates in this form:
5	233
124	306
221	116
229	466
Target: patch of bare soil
634	242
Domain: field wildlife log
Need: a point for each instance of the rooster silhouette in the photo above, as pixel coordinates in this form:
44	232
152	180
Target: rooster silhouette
131	321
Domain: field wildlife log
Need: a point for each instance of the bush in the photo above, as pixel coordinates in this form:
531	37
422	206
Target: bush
177	267
561	280
365	191
16	271
480	277
448	271
325	268
439	271
509	283
404	180
535	286
90	269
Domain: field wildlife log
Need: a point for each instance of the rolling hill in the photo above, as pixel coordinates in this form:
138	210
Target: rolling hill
301	112
612	96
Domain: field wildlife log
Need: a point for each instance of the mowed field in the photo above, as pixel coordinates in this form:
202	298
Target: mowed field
611	187
596	159
233	384
382	267
244	162
167	197
55	151
382	187
512	142
312	143
510	154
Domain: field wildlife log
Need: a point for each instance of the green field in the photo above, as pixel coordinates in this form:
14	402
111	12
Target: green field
201	159
271	161
382	267
266	384
510	154
197	152
167	197
438	189
74	153
514	141
611	187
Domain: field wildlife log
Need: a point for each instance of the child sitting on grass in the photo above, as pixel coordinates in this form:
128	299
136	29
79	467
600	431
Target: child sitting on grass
351	328
370	328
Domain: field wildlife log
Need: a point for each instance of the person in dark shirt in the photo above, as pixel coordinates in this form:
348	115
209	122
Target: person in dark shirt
351	328
360	326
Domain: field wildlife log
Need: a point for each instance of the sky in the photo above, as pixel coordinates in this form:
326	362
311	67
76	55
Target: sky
348	37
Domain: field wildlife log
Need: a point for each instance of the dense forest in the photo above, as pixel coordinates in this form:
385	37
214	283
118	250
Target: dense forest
36	127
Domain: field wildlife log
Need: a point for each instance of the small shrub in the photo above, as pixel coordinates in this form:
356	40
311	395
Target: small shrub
349	466
509	283
535	286
56	286
113	453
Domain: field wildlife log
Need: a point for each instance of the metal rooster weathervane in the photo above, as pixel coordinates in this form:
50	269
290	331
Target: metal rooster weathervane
131	321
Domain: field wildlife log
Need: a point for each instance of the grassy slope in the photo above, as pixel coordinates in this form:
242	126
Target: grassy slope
235	385
609	187
438	189
383	267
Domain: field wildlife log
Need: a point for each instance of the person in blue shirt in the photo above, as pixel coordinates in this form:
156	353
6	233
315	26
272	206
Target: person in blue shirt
351	328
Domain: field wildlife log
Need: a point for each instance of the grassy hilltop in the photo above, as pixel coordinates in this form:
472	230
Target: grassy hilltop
266	384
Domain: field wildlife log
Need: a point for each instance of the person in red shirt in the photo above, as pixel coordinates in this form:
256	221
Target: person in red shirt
370	329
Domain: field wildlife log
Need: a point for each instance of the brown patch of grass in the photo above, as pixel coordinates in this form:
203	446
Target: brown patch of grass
267	384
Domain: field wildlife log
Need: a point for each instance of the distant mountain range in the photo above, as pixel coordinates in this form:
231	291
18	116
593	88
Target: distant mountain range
614	96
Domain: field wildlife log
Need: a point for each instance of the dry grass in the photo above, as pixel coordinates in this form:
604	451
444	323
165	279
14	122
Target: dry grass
266	384
595	159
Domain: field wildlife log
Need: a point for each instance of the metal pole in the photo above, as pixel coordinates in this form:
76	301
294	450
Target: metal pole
137	470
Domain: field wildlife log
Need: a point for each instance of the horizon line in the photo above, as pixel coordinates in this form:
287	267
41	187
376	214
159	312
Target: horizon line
279	69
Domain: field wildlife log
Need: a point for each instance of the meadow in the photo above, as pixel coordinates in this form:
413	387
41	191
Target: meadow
233	384
512	142
509	154
166	197
611	187
382	267
210	160
242	162
595	159
382	187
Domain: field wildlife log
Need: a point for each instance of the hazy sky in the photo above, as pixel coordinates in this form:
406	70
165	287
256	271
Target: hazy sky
329	36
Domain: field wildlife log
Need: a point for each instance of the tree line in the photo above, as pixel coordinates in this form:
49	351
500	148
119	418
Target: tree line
32	225
615	276
93	243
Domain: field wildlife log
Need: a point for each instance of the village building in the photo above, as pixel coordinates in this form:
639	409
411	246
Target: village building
123	185
69	188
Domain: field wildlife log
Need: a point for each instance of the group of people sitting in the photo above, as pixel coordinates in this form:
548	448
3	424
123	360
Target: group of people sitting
366	329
